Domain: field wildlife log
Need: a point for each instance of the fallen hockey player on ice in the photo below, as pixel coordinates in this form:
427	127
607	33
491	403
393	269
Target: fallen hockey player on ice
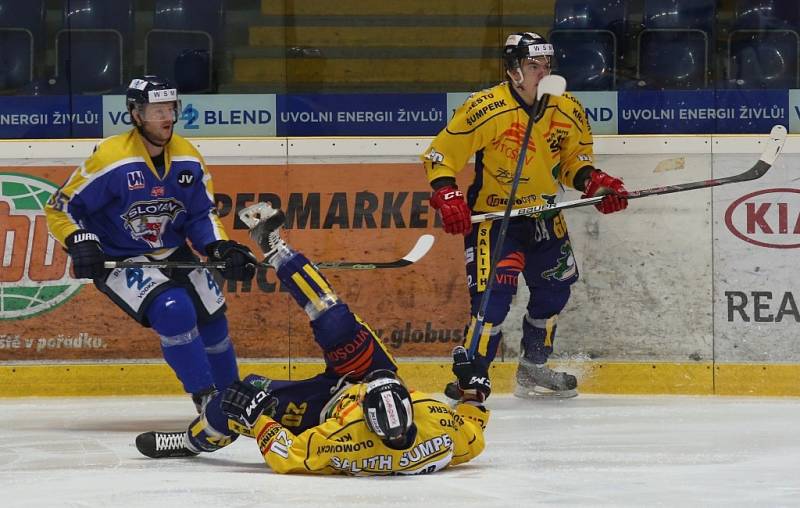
357	417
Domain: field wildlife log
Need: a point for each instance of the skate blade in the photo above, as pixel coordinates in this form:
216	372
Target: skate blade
539	392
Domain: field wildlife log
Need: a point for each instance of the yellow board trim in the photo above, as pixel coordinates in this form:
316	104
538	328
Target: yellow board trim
594	377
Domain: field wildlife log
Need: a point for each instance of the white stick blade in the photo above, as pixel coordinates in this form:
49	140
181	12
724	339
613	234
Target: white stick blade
774	145
421	248
552	84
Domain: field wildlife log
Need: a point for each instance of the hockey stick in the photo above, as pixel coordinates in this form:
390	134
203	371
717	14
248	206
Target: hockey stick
420	249
774	145
549	85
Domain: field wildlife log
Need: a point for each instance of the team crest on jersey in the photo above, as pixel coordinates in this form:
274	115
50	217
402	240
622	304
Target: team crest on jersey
566	267
135	180
435	157
516	133
146	221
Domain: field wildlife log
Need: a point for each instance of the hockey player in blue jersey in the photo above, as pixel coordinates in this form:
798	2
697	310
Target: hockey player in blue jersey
140	196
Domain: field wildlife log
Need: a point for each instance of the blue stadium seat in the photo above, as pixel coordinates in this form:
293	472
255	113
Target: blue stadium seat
674	46
764	46
16	58
108	14
767	14
27	14
184	41
90	47
21	41
587	38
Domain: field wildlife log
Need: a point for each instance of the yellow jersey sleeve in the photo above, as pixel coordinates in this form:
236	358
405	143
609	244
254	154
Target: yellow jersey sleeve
571	131
471	129
468	440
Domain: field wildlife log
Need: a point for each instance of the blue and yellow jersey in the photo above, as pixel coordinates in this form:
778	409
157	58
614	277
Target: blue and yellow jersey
118	195
343	444
491	125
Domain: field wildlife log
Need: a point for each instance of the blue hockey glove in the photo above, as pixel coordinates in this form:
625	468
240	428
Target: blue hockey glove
240	263
473	376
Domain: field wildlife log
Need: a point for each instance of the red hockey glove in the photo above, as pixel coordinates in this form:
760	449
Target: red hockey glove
599	184
453	209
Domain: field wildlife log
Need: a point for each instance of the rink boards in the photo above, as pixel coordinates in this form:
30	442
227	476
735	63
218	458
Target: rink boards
686	293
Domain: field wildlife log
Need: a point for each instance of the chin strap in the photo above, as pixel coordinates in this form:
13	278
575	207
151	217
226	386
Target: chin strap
518	72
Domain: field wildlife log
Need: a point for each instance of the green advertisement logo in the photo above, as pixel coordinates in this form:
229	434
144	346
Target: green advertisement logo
34	269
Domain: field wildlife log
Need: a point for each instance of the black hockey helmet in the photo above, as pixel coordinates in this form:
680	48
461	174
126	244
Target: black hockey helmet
522	45
387	408
150	90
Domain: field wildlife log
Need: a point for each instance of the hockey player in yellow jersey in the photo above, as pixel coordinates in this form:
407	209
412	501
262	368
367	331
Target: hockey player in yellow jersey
490	125
355	418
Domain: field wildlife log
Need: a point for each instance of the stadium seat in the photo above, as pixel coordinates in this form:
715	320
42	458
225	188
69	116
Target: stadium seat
90	59
182	44
21	40
90	47
764	46
767	14
674	46
16	58
586	37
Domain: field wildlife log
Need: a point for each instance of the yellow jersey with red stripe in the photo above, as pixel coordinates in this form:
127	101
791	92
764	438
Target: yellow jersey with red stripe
343	444
491	125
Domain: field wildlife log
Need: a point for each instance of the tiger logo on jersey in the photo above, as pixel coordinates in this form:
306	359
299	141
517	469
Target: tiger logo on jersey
147	220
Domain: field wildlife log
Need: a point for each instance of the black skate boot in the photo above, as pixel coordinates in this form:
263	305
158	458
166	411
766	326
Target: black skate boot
159	445
539	381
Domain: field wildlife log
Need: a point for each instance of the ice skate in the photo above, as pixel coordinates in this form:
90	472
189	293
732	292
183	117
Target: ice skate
159	445
539	381
265	223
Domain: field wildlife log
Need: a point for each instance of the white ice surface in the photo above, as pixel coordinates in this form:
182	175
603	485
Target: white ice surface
588	451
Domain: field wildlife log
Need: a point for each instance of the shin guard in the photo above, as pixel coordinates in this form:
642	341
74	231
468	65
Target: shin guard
307	285
220	352
537	338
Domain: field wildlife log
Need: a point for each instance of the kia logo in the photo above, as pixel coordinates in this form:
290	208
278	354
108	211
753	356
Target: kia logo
767	218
